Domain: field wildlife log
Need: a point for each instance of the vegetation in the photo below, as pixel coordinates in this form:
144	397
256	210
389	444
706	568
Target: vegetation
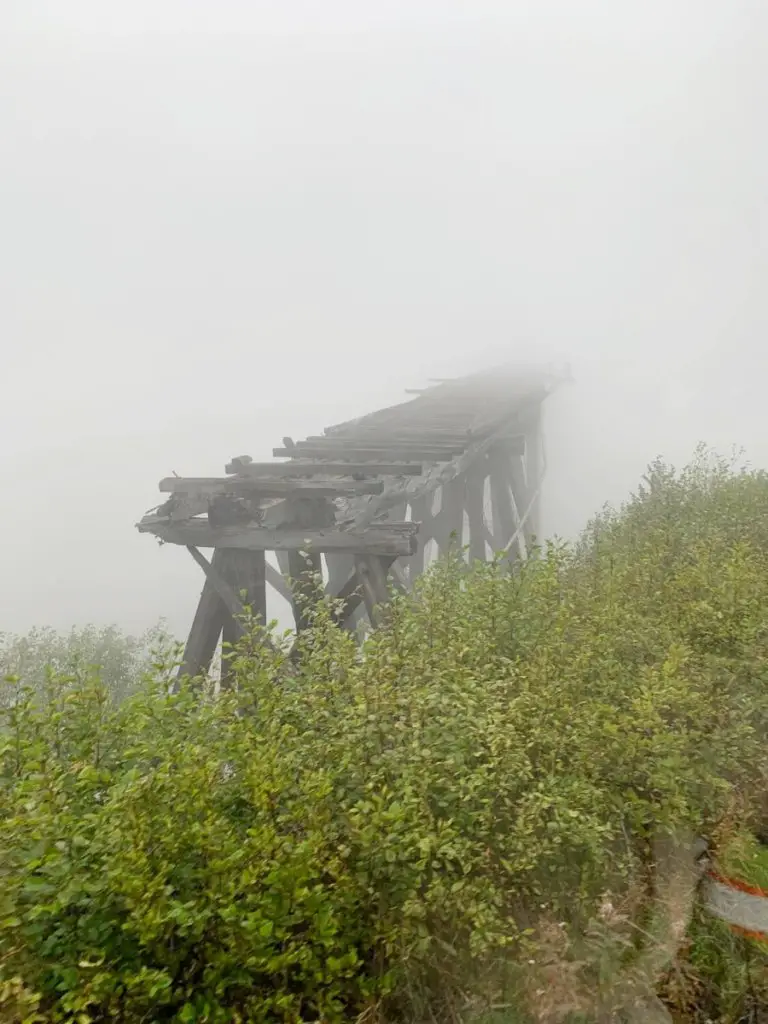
458	822
122	661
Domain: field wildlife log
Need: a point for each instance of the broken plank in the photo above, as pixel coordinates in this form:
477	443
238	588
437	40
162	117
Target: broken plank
378	539
297	469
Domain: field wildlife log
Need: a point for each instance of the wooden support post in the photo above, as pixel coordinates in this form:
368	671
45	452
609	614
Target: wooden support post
351	594
351	597
398	569
303	570
398	578
449	522
474	504
421	512
502	503
372	573
276	579
245	572
206	629
534	469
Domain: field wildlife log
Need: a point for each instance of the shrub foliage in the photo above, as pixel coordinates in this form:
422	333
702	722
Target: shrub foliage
379	831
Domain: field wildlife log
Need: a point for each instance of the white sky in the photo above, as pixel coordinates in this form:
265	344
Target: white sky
221	223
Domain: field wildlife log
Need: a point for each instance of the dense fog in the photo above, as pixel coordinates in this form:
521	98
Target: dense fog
226	223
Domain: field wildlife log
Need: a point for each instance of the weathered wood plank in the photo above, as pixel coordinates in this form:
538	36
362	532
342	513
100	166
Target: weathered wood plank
351	452
440	475
378	440
298	469
399	434
378	539
266	487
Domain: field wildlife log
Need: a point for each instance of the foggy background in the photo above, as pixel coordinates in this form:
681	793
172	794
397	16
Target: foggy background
221	223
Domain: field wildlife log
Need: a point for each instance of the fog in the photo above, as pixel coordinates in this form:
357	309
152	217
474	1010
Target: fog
221	223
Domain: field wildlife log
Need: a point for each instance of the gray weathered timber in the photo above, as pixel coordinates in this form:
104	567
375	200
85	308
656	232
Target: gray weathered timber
297	469
372	573
421	513
474	507
354	452
534	471
245	573
276	580
206	629
448	524
304	570
411	443
438	444
503	512
227	594
440	475
402	433
379	539
268	487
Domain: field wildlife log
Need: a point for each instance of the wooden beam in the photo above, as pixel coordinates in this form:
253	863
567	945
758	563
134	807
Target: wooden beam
350	594
372	572
277	580
378	539
297	469
421	513
474	495
448	525
352	451
399	435
534	472
440	475
303	570
228	596
398	577
267	488
244	572
205	631
503	511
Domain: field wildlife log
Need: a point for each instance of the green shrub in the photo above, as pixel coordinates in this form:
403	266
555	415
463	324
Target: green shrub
383	832
122	660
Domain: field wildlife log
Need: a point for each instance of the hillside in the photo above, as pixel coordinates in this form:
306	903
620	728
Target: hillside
462	821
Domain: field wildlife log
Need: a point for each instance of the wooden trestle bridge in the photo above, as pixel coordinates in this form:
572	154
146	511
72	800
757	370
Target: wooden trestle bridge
367	504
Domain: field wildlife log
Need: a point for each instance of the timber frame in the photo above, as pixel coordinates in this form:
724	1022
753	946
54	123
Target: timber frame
364	506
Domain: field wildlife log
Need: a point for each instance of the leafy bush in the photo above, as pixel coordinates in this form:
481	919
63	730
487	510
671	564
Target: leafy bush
122	660
387	832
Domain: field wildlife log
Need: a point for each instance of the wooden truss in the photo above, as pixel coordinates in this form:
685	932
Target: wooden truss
367	504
